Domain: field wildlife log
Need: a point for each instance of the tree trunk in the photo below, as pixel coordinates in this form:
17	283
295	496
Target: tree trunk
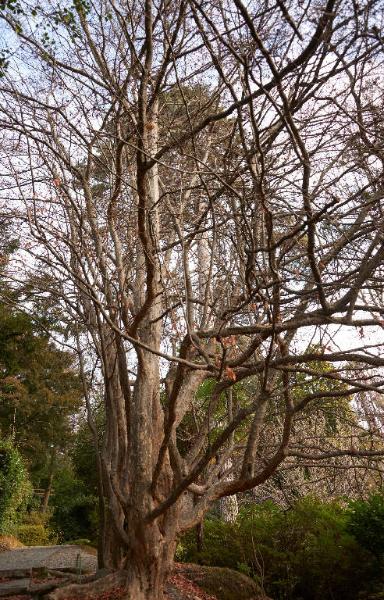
147	577
48	489
143	578
200	536
229	508
47	494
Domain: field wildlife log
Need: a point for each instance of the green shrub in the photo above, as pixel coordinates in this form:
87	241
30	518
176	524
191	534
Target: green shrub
36	535
366	523
36	517
311	554
74	509
222	545
15	487
305	553
35	530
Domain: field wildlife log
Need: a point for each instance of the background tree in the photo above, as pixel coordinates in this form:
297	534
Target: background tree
326	424
15	487
40	390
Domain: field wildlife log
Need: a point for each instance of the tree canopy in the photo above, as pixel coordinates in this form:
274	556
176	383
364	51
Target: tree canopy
201	185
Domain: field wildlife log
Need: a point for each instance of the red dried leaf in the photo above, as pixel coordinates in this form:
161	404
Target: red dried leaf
230	373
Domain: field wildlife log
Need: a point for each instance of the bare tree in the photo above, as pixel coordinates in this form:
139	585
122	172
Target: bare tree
203	183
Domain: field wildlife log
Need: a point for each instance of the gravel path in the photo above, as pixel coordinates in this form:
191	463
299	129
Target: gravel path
51	557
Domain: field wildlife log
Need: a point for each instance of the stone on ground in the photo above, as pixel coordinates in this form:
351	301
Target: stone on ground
224	584
71	558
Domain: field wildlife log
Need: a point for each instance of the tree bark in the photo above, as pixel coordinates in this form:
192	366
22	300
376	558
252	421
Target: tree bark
162	217
200	536
229	508
143	577
47	494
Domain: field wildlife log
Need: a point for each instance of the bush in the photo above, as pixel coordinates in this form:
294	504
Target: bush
35	531
222	548
9	542
74	513
35	535
366	523
36	517
312	555
305	553
15	487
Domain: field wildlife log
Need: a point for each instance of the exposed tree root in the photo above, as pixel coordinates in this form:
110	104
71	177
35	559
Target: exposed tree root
97	586
66	585
32	588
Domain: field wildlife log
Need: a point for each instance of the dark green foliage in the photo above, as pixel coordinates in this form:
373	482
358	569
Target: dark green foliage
366	523
306	553
15	488
14	6
8	241
74	507
39	389
83	453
